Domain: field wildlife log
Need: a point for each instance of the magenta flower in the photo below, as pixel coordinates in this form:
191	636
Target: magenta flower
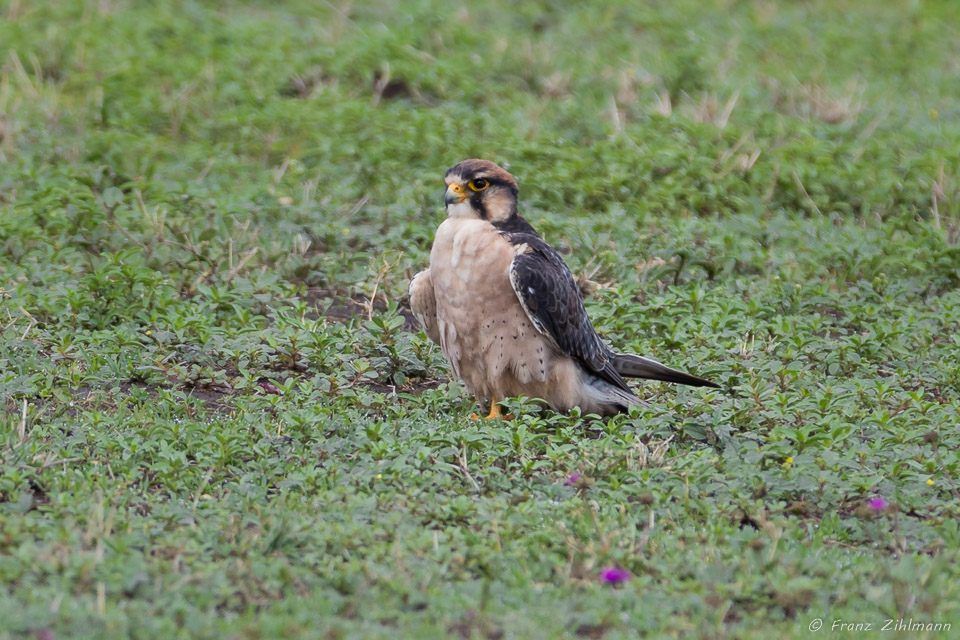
572	480
614	575
878	503
269	387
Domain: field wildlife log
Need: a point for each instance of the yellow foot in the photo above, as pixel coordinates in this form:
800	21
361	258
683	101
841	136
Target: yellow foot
494	414
497	414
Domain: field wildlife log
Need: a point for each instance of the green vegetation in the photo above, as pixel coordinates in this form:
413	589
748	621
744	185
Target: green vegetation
207	429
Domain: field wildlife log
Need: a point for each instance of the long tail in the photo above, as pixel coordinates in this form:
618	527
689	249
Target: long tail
609	397
633	366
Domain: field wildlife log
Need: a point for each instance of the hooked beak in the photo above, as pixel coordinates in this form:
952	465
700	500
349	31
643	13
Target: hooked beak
454	195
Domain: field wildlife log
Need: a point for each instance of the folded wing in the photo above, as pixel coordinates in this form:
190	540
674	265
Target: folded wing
551	298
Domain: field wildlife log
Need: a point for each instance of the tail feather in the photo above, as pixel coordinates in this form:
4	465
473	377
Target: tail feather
608	399
633	366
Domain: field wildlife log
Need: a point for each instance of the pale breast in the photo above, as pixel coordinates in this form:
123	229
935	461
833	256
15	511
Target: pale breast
484	331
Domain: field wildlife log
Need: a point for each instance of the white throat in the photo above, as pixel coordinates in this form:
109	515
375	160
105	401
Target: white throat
461	210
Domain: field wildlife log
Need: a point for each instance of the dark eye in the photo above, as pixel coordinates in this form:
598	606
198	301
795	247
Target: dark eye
479	184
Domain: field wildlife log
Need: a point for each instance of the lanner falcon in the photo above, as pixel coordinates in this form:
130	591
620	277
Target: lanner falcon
507	313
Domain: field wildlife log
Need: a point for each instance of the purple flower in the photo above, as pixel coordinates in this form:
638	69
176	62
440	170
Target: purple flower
269	387
878	503
572	480
614	575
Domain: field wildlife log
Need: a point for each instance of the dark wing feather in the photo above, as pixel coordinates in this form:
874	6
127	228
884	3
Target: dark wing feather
551	298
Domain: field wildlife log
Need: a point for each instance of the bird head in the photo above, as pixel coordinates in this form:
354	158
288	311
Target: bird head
480	189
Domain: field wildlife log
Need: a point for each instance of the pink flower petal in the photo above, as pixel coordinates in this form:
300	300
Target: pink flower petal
269	387
614	575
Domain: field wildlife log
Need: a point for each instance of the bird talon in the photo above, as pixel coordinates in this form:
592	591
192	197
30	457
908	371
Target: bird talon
495	413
